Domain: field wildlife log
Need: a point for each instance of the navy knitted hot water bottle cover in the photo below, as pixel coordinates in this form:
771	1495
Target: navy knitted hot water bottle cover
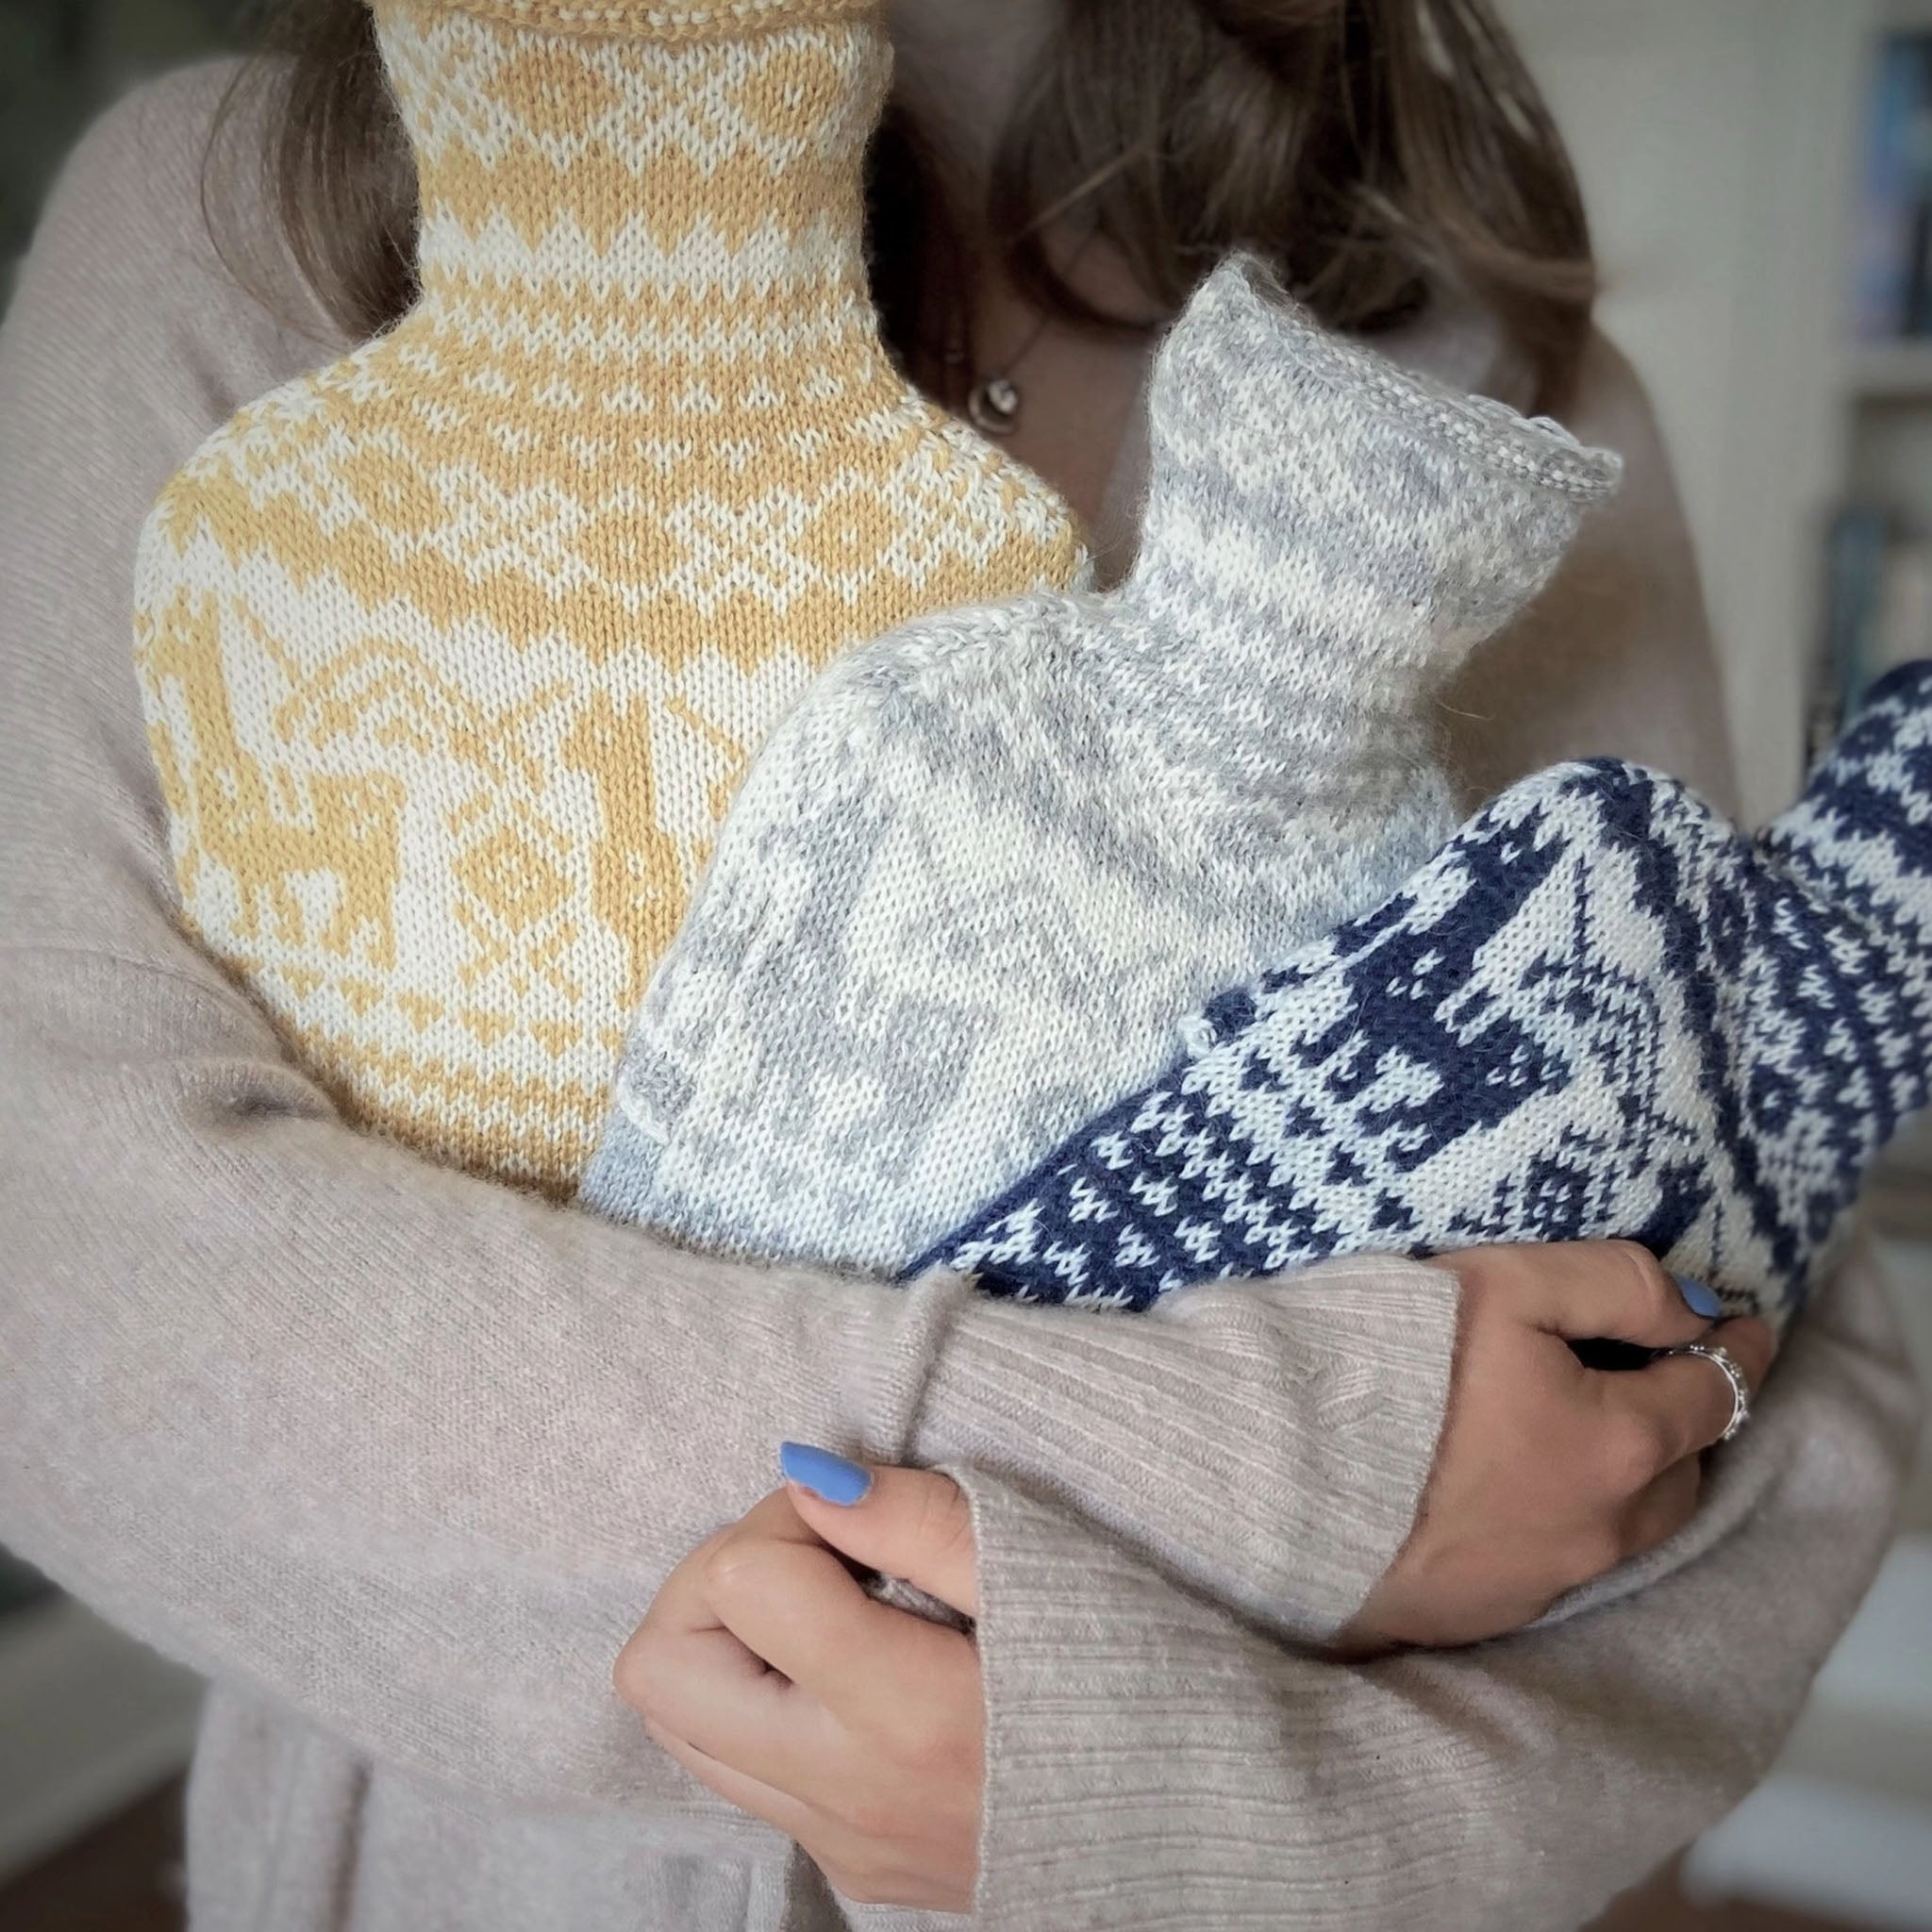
1601	1010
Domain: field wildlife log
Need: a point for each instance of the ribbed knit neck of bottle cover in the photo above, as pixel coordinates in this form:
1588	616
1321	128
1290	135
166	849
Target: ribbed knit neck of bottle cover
659	20
1224	564
1325	537
1272	444
641	152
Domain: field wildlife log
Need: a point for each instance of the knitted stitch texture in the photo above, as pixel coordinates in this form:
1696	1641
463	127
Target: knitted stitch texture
454	653
1601	1010
980	872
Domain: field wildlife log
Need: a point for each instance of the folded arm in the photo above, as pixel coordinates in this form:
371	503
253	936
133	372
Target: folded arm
1519	1785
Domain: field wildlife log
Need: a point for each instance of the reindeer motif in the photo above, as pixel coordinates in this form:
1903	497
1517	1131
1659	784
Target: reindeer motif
266	827
634	861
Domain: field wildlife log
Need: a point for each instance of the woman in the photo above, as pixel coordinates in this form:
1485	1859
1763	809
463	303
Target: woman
401	1458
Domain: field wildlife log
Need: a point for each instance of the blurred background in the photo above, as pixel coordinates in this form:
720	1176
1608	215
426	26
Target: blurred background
1759	173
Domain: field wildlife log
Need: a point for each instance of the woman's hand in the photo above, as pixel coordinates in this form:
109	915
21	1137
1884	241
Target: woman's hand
857	1729
1548	1474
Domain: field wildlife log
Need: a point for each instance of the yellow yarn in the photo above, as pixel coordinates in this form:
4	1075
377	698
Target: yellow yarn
454	653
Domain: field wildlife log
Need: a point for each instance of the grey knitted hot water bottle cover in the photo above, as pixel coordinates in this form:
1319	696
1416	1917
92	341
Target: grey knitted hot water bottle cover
1600	1010
986	865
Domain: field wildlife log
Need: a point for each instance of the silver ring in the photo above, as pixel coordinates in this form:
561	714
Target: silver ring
1720	1357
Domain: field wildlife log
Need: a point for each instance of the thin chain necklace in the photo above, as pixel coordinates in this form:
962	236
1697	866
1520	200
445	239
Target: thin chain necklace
994	400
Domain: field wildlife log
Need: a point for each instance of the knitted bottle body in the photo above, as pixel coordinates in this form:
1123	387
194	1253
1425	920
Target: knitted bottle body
989	864
454	653
1600	1013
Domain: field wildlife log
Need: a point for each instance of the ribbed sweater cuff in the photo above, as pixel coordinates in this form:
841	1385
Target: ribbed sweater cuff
1266	1442
1131	1756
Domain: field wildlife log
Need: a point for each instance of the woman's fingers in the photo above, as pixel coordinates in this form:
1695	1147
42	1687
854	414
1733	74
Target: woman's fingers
801	1610
1662	1510
708	1689
909	1522
858	1730
793	1816
1587	1291
683	1671
1549	1473
1618	1292
765	1654
1752	1344
1680	1403
763	1647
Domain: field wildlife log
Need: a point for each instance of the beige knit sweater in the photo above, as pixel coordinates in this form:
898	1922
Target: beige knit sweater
399	1457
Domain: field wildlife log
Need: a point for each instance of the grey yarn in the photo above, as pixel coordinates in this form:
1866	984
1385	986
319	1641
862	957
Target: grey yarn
982	870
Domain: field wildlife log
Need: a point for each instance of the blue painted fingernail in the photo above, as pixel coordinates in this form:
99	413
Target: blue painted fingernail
829	1477
1697	1298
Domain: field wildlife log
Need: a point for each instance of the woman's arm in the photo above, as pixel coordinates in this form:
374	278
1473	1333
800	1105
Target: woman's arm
410	1449
1112	1753
1522	1784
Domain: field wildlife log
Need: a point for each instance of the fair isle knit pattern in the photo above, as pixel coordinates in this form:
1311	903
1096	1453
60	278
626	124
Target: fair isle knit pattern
983	870
1599	1011
454	653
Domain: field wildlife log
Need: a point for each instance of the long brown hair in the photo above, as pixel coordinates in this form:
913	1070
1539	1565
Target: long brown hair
1371	150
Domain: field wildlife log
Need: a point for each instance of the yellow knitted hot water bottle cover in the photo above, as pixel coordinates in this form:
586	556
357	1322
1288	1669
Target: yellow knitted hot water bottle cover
454	653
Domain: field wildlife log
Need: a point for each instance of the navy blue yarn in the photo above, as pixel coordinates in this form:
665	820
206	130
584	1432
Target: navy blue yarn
1728	1097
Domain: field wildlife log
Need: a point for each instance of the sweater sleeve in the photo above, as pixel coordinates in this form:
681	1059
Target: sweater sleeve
1616	658
410	1451
1153	1764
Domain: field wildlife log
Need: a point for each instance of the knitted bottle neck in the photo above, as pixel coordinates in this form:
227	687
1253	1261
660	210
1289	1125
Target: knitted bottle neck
1328	533
647	153
665	21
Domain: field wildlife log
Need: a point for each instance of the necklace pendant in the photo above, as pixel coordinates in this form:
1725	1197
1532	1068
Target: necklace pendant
992	407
